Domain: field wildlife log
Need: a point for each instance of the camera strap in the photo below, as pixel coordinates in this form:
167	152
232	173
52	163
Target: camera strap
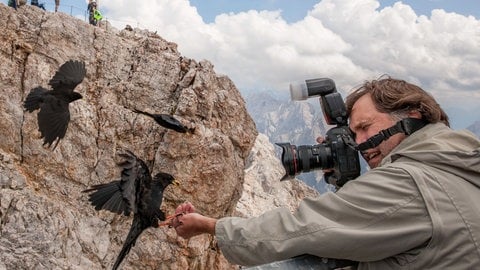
406	126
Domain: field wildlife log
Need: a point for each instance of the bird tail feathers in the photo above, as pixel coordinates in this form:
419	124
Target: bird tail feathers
135	231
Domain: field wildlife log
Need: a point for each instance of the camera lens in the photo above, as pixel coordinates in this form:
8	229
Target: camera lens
289	158
305	158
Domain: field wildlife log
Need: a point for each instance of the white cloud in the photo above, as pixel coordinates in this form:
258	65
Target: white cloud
347	40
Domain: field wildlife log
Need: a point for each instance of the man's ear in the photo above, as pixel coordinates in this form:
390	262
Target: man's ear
414	114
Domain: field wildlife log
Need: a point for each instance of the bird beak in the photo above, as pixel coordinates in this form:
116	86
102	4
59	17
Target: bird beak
176	183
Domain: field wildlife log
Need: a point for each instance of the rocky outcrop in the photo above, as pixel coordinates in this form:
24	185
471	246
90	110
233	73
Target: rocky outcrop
46	221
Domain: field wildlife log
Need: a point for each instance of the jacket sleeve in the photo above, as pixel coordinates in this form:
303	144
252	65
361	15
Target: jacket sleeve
378	215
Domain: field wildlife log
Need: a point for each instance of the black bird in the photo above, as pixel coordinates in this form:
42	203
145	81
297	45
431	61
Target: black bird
167	121
135	192
54	115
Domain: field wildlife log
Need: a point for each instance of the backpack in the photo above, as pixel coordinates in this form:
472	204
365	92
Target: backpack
97	15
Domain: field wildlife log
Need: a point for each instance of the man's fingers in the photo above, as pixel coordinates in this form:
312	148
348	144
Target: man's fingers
185	207
189	208
171	220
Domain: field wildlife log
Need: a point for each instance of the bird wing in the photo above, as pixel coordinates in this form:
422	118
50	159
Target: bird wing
170	122
68	76
135	230
136	181
53	119
34	99
127	194
166	121
109	197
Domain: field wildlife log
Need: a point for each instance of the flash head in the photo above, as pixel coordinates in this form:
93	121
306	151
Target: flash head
312	88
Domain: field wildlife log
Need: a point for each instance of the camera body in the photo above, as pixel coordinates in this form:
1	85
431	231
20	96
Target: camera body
337	154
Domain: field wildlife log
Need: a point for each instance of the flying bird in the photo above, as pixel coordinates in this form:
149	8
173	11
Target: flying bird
167	121
136	192
54	114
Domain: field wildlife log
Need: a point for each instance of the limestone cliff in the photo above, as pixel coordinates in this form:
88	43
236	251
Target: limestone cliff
45	220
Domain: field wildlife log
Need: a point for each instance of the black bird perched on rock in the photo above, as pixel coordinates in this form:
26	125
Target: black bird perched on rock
167	121
135	192
54	115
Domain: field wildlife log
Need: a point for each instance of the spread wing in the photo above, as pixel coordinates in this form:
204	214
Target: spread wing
109	197
122	196
53	119
68	76
137	178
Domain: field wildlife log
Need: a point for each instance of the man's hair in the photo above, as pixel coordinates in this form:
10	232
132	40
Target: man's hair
397	98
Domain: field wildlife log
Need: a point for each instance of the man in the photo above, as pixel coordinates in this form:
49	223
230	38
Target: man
12	3
416	208
35	3
57	4
91	8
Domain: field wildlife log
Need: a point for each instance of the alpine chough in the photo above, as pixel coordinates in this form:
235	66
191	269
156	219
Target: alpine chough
136	192
54	114
167	121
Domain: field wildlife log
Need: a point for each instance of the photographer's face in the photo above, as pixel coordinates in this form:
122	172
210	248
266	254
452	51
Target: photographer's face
366	121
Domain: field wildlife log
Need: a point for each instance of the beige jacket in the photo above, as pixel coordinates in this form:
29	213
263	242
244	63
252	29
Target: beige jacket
419	210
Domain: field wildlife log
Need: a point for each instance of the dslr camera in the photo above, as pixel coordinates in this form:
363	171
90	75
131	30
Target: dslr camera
337	154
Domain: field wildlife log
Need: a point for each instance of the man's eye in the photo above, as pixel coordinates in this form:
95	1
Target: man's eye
364	127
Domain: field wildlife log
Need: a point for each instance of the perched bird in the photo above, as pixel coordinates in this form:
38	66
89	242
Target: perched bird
135	192
167	121
54	115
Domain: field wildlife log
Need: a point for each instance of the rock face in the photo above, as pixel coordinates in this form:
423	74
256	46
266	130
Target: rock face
46	221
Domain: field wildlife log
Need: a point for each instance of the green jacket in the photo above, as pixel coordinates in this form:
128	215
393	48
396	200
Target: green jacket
420	209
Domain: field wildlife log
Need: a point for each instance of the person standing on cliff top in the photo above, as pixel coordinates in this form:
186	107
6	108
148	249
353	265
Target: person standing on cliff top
92	7
13	4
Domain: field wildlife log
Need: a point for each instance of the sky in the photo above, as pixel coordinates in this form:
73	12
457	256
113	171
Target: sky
264	45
